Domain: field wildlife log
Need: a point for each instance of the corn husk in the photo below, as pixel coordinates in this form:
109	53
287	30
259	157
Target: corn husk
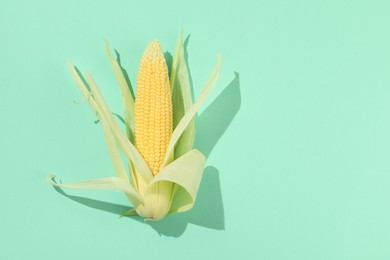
174	188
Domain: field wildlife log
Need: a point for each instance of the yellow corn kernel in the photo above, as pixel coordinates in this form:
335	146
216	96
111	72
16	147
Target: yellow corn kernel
153	108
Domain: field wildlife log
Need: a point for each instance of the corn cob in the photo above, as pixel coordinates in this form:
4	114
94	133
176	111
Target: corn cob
153	108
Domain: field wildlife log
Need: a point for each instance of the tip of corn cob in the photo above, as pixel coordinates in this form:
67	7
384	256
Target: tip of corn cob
153	51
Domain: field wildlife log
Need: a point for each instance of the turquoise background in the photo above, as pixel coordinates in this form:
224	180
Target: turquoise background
297	131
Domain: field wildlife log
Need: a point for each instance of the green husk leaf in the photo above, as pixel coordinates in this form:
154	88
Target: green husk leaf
181	99
175	62
186	172
181	127
109	183
116	159
127	97
124	144
156	200
130	212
